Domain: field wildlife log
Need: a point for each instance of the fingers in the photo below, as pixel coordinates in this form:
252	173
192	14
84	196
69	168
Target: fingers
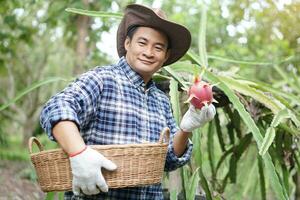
105	163
211	111
92	188
101	184
86	170
76	189
109	165
192	107
206	114
84	189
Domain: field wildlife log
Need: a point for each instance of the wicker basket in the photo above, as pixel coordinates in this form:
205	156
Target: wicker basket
138	164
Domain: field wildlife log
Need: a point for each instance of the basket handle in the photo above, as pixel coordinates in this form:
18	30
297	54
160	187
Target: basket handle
37	142
165	133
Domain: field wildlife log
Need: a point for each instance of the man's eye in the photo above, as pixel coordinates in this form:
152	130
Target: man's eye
158	48
141	43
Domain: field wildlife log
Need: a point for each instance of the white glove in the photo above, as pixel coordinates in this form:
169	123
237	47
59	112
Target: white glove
86	170
195	118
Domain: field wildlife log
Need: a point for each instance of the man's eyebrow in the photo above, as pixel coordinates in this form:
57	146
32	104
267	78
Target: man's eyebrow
157	43
142	38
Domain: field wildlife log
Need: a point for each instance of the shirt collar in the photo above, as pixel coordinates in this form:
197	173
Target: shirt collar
132	75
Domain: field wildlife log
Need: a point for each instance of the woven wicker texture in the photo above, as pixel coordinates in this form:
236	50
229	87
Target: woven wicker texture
138	164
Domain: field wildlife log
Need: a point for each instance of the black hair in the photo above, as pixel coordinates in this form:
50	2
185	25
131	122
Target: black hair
132	29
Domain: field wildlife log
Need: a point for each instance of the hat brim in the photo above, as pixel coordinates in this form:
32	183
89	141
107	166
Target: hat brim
179	36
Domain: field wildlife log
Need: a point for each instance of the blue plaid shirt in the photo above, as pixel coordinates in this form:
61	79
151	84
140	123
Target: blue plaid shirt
112	105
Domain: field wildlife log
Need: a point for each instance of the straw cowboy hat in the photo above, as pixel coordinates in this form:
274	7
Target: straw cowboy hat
137	15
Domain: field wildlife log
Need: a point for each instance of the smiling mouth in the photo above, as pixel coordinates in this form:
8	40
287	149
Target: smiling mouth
146	62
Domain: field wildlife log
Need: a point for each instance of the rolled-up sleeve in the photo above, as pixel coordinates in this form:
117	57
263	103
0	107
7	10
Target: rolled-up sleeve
75	103
172	160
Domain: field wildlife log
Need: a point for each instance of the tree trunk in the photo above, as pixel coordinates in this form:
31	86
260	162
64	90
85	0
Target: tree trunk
82	25
28	130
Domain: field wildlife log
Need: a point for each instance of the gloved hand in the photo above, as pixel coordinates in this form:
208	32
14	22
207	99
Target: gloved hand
195	118
86	170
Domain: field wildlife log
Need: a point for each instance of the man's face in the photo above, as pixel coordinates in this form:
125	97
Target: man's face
146	51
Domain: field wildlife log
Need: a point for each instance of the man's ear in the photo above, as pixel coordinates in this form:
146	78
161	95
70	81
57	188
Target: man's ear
126	43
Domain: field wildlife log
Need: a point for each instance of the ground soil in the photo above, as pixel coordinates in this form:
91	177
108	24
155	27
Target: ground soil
15	183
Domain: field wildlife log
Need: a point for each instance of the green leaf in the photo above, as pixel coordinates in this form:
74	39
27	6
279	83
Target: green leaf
202	35
290	129
174	75
249	177
297	161
243	62
197	72
232	168
50	196
173	194
236	155
185	175
275	182
238	106
204	185
174	98
271	171
230	131
261	178
219	132
270	134
193	184
193	56
211	148
197	147
279	117
268	139
243	88
278	101
223	157
243	145
183	66
60	195
276	92
229	60
248	88
94	13
30	88
294	118
285	175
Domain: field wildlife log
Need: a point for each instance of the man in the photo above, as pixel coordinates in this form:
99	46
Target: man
120	104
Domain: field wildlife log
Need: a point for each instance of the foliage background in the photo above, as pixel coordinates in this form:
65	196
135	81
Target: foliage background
43	47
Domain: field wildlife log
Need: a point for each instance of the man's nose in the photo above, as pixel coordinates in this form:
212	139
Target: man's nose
148	51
